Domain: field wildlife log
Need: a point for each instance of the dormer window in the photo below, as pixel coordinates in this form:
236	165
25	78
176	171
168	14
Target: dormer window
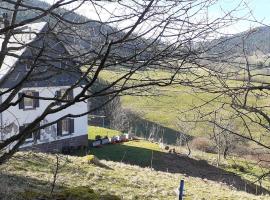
28	64
27	67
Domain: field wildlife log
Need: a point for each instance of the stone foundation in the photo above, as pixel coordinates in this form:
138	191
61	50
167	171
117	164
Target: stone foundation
57	146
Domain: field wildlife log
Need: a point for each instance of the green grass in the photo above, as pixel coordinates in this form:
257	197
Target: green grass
142	152
29	174
169	105
133	152
19	179
137	152
93	131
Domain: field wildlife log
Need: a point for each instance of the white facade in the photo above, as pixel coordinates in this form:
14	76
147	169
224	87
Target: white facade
15	117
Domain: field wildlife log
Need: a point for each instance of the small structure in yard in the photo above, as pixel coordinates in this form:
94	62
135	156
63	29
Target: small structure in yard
113	140
96	143
124	137
105	141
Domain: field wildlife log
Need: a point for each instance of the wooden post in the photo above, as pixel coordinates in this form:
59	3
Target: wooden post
181	190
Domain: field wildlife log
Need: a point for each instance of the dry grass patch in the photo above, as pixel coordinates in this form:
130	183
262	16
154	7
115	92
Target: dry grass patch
33	172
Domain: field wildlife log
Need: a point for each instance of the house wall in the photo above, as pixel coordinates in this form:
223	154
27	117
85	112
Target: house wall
14	117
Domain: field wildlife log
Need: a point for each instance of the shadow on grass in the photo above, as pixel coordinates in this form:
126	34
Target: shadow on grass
123	153
174	163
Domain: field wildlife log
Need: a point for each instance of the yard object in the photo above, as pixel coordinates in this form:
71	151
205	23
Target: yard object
124	137
96	143
181	190
115	139
105	141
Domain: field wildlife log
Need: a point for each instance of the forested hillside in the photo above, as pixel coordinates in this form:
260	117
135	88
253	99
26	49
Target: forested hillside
86	35
253	42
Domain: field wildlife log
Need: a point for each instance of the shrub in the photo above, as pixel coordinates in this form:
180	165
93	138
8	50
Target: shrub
98	137
89	158
238	167
202	144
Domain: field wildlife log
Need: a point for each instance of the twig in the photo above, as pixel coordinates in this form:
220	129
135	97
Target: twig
55	174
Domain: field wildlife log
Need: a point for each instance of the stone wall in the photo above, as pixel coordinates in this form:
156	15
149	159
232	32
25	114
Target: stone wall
57	146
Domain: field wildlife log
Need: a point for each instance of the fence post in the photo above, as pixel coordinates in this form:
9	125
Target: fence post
181	190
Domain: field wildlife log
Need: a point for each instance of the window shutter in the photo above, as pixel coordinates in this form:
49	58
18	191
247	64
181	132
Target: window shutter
58	96
59	128
70	95
36	100
71	125
21	128
37	134
21	102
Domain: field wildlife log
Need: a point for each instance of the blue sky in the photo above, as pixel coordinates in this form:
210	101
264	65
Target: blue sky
260	10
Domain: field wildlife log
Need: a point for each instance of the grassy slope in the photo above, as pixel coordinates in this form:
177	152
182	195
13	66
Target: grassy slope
168	104
94	130
135	152
141	152
28	172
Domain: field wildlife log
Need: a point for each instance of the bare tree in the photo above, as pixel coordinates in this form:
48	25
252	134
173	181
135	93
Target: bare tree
118	115
238	109
144	37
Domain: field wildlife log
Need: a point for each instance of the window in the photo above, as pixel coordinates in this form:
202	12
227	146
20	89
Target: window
33	136
65	127
28	63
29	138
27	103
60	93
67	97
27	67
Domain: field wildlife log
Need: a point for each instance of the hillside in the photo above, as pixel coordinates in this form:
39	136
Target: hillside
31	175
166	108
132	170
255	42
80	34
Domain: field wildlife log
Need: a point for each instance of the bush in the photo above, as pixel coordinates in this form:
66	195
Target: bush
238	167
89	158
98	137
203	144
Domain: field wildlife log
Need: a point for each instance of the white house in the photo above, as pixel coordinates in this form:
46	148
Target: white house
50	78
